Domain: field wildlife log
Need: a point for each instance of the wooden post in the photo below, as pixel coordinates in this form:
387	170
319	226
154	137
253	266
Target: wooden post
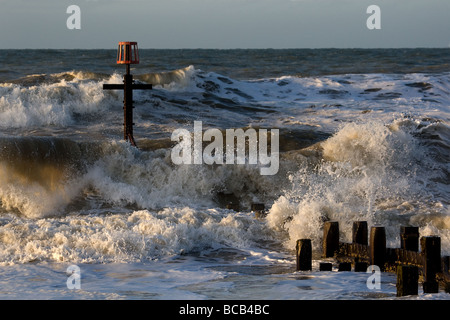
445	264
330	238
407	280
304	255
345	266
378	247
445	273
361	266
325	266
431	251
360	234
409	238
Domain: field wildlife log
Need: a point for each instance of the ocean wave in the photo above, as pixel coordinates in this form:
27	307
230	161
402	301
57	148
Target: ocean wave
51	104
180	77
367	146
139	236
53	177
395	174
74	75
70	98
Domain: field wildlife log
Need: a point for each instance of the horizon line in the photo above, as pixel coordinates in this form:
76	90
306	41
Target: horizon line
268	48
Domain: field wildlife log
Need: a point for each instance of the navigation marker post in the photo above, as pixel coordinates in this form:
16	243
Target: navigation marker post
127	54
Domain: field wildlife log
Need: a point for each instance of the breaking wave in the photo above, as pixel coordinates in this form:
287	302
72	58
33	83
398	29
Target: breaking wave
353	147
388	175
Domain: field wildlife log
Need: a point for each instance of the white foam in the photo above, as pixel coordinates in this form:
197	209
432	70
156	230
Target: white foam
52	104
321	102
140	236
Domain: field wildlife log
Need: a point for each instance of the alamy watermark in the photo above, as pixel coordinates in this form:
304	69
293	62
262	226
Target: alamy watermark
189	149
74	277
374	20
74	20
374	280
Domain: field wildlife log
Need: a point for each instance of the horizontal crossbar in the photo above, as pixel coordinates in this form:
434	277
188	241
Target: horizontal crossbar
138	86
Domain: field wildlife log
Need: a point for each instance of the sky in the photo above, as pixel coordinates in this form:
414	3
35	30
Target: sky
224	24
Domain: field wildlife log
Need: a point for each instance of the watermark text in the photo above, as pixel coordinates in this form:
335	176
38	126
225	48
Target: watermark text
74	277
189	147
374	20
374	280
74	20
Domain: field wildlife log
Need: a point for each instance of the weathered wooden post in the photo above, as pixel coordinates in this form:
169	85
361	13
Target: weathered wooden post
409	238
361	266
431	251
445	273
330	238
345	266
445	264
407	280
304	255
360	234
325	266
377	247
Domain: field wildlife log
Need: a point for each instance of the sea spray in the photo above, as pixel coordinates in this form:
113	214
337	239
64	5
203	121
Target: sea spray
367	172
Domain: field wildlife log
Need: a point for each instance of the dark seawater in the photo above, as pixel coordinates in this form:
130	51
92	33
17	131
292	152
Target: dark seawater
364	135
240	64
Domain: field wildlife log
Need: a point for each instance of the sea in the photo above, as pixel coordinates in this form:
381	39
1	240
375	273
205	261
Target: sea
364	135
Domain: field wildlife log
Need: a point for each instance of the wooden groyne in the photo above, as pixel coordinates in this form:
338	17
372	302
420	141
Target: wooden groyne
368	248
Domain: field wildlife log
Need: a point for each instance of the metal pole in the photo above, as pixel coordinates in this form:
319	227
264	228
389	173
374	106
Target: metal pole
128	106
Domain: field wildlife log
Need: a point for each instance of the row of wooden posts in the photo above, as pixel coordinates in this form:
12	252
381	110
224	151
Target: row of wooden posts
370	249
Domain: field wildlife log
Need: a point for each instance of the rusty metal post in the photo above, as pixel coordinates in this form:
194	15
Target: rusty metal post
128	107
